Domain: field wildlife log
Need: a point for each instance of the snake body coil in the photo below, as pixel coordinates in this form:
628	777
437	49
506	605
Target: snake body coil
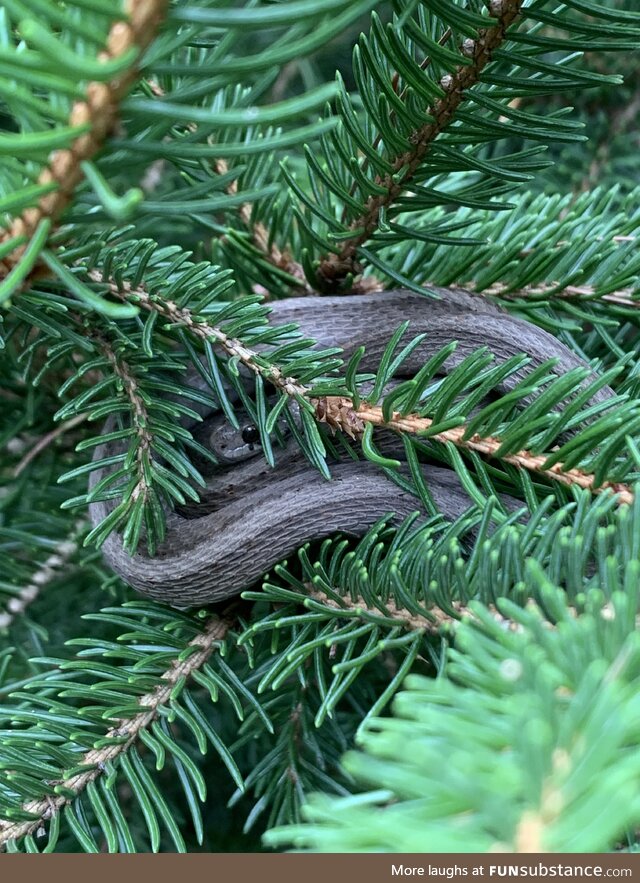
257	516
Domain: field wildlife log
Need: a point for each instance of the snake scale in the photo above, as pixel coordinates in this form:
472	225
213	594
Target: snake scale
252	516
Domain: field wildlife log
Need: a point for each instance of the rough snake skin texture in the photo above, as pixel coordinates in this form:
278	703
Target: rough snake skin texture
252	516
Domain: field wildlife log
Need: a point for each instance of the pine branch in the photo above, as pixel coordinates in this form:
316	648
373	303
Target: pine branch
46	440
260	237
553	733
426	575
437	621
554	250
96	116
51	569
259	234
125	734
626	297
183	317
341	414
140	417
480	51
395	81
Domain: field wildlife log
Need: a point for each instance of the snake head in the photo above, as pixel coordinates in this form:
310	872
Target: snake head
228	444
231	446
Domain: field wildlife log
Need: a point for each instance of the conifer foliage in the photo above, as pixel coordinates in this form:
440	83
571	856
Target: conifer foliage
166	170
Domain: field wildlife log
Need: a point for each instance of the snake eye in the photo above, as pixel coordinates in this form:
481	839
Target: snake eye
250	434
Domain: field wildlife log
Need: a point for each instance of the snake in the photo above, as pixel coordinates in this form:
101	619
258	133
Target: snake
252	516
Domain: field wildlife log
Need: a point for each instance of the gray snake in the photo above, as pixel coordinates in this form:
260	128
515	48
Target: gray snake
252	516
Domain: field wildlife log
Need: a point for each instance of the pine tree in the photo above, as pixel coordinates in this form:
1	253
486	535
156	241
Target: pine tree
167	170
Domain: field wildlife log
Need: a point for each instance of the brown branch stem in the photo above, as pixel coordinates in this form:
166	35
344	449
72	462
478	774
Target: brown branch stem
339	413
139	411
215	631
99	110
50	570
280	259
432	624
46	440
232	346
334	268
626	297
395	81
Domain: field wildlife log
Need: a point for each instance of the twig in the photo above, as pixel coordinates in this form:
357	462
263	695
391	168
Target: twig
140	415
626	297
99	110
49	570
339	413
202	329
432	624
334	268
281	260
46	440
437	620
215	630
395	81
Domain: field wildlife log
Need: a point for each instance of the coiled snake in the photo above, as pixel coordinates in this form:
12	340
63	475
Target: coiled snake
252	516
